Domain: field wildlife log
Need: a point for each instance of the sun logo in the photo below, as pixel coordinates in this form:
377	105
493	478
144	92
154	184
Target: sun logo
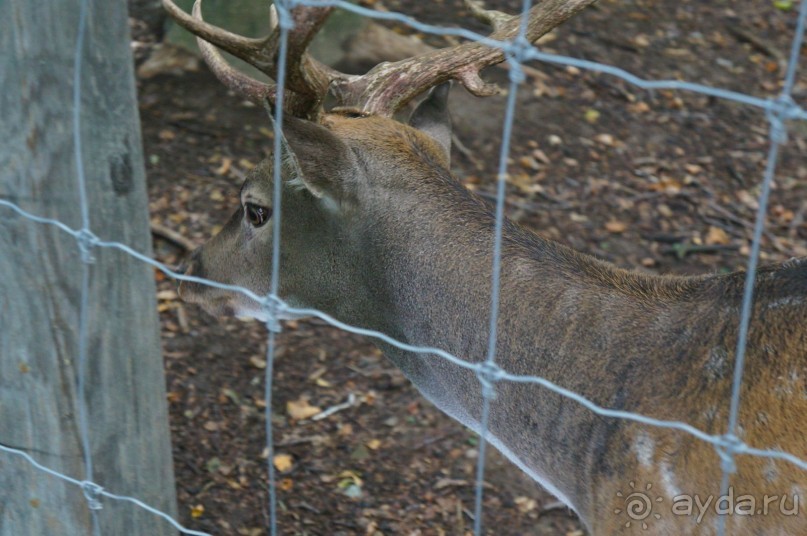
638	505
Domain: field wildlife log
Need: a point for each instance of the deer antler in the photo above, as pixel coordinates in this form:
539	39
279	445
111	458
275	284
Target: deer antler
307	79
384	89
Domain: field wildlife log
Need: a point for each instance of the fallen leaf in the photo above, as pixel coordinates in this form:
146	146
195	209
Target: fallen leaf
693	169
541	156
605	139
301	409
197	511
224	168
257	362
450	482
167	295
525	504
232	395
210	426
350	484
213	465
748	199
360	453
717	236
317	374
616	227
351	476
640	107
283	462
529	162
591	115
666	184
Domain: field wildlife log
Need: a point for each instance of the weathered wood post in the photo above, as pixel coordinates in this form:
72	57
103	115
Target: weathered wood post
41	274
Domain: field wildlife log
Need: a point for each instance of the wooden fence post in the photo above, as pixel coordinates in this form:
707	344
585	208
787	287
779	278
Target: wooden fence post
41	274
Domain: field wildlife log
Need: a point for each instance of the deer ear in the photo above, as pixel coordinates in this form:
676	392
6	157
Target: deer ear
432	117
316	159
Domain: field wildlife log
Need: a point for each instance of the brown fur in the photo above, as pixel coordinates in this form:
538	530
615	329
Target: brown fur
407	251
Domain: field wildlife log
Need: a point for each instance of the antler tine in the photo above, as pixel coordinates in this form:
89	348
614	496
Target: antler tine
239	82
305	74
244	85
245	48
390	86
307	79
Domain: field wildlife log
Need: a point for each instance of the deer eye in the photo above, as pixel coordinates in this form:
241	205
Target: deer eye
256	214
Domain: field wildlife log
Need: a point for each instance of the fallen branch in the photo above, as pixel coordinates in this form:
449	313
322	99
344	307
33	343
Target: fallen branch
351	401
169	235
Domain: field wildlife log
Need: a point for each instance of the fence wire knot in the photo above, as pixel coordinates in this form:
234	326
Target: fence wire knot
273	308
728	446
488	375
517	53
779	111
86	242
92	492
283	8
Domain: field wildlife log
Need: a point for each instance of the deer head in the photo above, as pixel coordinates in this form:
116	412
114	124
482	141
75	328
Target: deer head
332	178
334	160
376	232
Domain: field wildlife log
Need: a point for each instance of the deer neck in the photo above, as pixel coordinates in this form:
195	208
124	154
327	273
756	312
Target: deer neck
435	291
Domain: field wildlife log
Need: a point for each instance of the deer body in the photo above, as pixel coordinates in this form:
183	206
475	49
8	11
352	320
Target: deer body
376	232
406	250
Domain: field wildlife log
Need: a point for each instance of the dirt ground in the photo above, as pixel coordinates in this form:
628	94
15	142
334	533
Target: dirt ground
663	182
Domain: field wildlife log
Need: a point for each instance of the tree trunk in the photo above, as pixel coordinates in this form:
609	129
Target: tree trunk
41	278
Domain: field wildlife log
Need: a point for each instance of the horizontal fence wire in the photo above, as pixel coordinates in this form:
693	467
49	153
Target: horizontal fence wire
778	111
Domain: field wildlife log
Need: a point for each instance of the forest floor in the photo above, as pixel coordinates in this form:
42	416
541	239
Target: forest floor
662	182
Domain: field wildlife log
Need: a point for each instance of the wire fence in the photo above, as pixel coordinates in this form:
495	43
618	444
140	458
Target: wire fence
778	111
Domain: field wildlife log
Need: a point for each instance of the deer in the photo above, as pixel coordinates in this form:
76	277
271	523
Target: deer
378	233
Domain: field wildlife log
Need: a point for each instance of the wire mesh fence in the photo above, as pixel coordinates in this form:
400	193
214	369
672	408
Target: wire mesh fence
779	110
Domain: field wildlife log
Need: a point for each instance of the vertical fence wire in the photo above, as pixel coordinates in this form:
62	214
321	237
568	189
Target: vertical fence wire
285	23
270	445
777	116
84	245
517	51
490	374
